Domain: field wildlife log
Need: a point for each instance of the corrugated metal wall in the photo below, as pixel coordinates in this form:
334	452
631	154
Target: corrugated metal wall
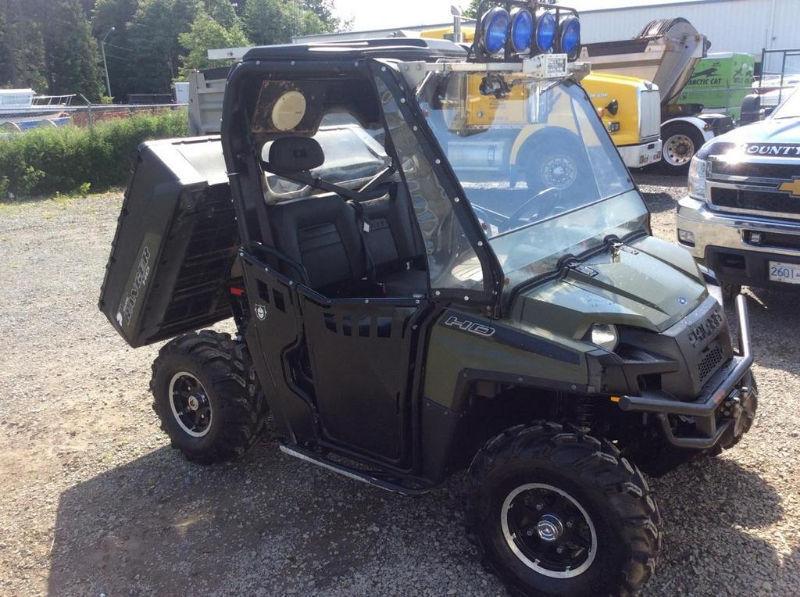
730	25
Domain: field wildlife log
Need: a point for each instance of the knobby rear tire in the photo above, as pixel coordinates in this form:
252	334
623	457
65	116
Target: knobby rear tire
223	368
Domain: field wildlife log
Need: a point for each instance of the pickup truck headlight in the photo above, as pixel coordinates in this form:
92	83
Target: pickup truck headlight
697	179
604	335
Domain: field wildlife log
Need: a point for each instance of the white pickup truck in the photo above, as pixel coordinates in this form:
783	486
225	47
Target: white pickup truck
742	215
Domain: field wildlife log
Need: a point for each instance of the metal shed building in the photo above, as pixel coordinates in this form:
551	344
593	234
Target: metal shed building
730	25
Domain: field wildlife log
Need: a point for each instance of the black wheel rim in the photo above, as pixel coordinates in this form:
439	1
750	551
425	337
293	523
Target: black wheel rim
549	530
190	404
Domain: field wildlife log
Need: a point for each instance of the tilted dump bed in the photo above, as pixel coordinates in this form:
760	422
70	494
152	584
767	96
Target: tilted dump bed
174	245
665	52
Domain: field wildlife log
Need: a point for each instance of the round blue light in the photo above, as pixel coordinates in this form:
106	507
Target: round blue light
522	31
495	29
570	36
546	32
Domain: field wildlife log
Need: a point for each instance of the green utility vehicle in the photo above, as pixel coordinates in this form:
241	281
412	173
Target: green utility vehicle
402	319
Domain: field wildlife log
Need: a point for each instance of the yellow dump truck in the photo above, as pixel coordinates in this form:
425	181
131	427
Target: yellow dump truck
629	107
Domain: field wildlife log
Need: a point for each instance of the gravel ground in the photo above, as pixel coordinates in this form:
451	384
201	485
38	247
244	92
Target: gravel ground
93	501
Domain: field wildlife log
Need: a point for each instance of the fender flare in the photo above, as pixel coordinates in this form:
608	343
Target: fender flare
694	121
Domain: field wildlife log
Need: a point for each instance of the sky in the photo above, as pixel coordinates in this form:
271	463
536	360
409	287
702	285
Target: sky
387	14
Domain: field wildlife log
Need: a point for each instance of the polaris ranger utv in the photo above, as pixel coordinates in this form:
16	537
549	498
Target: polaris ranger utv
403	314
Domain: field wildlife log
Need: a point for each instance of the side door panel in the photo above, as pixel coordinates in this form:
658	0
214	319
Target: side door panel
362	360
276	328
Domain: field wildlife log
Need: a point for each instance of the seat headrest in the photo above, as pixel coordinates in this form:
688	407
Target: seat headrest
295	154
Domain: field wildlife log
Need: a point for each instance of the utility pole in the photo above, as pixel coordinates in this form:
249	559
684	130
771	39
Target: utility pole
105	64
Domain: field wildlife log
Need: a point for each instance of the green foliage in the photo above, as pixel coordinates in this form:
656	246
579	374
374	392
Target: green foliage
472	10
206	33
222	12
49	46
154	34
277	21
324	11
22	59
120	53
71	159
71	52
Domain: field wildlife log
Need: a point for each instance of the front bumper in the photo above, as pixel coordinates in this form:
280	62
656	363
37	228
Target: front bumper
723	242
706	411
639	156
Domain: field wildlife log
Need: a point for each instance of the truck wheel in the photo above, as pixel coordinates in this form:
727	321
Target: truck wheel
207	396
558	512
680	142
554	159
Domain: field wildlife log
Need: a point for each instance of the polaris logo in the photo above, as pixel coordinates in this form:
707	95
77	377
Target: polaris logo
473	327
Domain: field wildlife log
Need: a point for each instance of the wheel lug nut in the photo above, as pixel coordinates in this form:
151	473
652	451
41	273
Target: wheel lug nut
529	532
559	549
570	524
539	506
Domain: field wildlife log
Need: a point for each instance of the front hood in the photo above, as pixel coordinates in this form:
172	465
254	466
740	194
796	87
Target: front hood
746	138
648	284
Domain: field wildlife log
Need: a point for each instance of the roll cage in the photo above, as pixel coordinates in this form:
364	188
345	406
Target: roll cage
367	62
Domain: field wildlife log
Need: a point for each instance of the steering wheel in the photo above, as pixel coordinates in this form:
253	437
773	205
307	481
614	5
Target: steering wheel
487	216
538	201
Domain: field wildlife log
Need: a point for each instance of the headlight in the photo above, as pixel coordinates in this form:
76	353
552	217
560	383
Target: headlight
697	179
604	335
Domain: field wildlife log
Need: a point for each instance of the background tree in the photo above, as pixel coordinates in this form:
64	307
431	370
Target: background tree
324	9
22	63
120	53
51	46
277	21
222	12
71	54
204	34
472	10
153	35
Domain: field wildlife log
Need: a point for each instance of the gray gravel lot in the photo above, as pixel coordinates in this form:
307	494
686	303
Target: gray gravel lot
93	501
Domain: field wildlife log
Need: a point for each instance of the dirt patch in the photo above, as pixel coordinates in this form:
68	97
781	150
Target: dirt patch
93	501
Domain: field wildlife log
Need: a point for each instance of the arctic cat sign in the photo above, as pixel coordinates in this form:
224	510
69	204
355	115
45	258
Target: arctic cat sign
782	150
720	83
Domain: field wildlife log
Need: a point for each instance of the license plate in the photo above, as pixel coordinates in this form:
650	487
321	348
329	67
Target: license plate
784	272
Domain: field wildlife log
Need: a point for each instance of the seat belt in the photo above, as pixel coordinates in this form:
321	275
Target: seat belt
363	229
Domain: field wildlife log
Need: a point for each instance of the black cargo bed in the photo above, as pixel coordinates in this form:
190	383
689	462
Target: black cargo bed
175	242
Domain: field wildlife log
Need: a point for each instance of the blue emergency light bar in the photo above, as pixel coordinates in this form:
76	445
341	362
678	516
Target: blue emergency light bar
511	30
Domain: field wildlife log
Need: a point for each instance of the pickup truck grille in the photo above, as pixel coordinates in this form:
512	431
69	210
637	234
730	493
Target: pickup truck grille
767	201
779	172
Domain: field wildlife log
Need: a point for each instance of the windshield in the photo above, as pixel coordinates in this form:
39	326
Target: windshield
789	108
538	168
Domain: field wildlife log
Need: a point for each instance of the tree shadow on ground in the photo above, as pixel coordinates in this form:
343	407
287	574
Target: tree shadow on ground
274	525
